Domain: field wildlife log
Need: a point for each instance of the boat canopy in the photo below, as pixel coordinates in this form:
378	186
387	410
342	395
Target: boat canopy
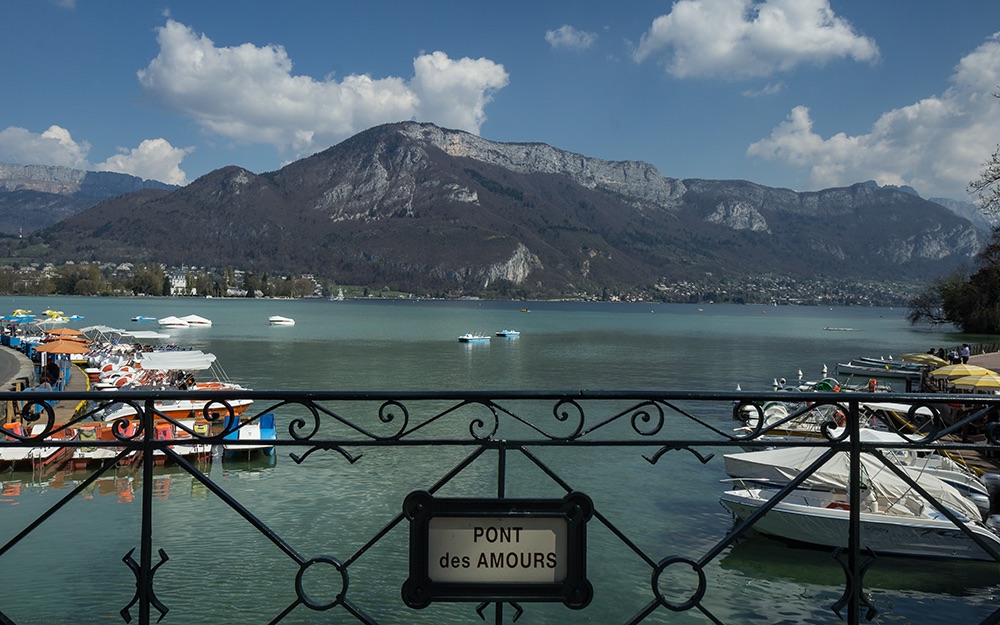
897	408
102	329
193	360
146	334
780	466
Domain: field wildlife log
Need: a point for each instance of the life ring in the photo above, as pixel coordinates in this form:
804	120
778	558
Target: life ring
838	505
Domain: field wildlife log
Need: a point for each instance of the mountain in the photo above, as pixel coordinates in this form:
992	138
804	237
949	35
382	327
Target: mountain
35	196
970	211
423	209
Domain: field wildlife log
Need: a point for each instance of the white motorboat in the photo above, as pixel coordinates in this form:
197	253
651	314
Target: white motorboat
197	322
919	462
470	337
173	322
822	518
278	320
896	519
508	333
942	477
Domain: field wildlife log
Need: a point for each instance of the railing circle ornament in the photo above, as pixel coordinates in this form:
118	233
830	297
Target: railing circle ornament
320	576
661	569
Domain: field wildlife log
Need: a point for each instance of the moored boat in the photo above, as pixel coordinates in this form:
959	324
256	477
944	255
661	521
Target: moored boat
823	518
943	478
173	322
196	322
470	337
24	457
260	430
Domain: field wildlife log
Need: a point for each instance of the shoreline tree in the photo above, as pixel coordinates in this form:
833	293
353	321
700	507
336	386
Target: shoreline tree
971	302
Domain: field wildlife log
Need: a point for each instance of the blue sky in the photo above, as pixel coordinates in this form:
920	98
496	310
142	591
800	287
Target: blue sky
802	94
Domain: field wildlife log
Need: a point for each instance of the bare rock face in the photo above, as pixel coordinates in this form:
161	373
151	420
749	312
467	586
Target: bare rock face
738	216
630	178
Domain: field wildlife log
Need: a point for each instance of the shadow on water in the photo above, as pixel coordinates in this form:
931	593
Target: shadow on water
765	558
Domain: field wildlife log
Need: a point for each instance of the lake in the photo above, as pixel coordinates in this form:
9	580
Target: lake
221	570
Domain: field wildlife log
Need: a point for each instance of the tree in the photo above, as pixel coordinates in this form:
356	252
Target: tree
148	280
987	188
973	303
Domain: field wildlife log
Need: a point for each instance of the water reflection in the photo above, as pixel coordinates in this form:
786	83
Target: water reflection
125	482
765	558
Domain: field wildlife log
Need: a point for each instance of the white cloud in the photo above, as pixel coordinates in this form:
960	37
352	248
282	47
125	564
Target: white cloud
769	89
55	146
745	38
249	94
568	37
154	159
937	145
455	93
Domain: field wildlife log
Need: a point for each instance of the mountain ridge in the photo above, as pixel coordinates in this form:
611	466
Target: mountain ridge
428	210
35	196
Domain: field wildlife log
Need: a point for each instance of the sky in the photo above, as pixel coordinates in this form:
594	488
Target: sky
798	94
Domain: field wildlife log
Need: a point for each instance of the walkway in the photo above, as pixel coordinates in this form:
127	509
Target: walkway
990	361
17	372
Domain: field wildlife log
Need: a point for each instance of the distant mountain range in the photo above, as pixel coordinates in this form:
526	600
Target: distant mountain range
419	208
35	196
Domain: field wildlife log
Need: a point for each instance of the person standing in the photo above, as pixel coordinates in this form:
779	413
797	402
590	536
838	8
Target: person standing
965	353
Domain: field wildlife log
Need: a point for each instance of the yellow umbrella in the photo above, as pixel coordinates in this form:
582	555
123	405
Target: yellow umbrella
958	371
925	359
978	382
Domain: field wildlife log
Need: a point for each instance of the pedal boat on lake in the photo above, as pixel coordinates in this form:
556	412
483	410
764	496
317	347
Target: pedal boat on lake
33	457
245	439
470	337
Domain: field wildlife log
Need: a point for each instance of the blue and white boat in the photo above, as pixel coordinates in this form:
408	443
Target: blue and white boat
470	337
254	433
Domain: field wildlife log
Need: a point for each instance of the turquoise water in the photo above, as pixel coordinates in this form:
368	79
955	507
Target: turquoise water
221	570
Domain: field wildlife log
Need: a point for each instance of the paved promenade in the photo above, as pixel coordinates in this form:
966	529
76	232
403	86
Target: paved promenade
18	372
990	361
14	367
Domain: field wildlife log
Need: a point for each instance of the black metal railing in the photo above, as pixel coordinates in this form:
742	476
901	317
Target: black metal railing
443	439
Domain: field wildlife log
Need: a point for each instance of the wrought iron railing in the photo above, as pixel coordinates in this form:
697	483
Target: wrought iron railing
441	441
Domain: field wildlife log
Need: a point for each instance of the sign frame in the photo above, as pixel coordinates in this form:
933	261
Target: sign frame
574	590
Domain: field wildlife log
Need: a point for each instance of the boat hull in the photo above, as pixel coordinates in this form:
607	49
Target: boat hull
883	534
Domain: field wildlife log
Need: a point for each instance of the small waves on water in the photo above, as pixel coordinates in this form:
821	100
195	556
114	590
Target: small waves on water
223	569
